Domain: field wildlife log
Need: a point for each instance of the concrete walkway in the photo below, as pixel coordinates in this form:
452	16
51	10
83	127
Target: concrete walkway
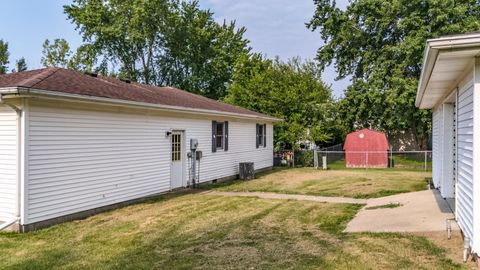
422	211
269	195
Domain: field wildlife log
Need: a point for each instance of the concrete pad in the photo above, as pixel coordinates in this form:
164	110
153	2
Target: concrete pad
423	211
278	196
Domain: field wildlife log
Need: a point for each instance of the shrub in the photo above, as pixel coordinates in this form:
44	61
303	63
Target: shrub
304	158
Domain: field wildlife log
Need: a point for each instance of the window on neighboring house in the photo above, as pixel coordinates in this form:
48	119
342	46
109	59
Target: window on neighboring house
219	136
261	135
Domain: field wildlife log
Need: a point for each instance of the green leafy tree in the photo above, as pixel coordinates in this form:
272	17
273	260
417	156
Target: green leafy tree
59	54
380	44
292	91
4	55
200	53
86	59
125	33
162	42
20	65
56	54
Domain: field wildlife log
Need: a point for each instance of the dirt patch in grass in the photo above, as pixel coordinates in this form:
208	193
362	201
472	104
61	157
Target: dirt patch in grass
343	183
200	231
452	246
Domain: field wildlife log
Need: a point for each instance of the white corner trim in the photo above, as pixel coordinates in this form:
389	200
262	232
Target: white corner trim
24	122
476	157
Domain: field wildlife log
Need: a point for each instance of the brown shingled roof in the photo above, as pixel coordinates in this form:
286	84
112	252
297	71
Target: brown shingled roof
79	83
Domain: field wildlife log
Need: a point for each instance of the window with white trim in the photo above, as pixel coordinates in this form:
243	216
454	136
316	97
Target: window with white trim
220	135
260	135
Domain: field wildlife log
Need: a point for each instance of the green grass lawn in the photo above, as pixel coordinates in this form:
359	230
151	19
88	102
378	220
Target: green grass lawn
198	231
356	183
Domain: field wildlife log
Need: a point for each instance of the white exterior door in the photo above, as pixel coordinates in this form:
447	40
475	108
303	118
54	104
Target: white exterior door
177	160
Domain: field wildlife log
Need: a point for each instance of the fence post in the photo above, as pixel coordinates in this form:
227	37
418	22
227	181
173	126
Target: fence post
366	161
293	155
391	156
315	158
425	160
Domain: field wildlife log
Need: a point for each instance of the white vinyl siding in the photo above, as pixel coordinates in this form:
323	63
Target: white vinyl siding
447	184
84	158
464	187
437	148
241	148
8	163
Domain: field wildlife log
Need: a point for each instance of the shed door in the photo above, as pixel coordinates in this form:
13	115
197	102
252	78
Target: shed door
177	160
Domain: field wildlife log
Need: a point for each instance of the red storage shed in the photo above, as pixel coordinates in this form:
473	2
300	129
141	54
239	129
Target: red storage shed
366	148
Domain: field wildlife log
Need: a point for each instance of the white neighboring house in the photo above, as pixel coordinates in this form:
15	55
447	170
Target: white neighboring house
73	144
450	86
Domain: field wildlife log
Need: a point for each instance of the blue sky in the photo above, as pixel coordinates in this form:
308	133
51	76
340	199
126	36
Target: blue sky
274	27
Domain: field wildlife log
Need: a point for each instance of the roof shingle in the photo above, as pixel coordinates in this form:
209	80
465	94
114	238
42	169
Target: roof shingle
75	82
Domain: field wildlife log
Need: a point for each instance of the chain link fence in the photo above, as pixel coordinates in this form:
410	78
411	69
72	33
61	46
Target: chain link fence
411	160
415	160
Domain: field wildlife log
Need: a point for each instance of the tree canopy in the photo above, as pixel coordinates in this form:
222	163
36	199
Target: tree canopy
161	42
292	91
380	44
20	65
56	54
4	55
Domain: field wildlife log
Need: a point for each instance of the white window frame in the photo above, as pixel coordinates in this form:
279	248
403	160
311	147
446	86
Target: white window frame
222	147
260	135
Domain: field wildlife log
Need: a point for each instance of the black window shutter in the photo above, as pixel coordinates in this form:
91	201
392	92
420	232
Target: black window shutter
214	141
225	126
257	138
264	135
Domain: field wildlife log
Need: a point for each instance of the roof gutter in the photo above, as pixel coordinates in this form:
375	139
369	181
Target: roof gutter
427	70
432	50
31	92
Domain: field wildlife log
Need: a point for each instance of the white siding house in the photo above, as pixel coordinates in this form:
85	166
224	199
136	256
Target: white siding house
8	162
81	153
450	86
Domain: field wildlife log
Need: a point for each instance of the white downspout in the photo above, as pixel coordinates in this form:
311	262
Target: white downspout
19	151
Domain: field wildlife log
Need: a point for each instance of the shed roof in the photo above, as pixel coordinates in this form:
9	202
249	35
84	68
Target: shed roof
59	80
366	140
